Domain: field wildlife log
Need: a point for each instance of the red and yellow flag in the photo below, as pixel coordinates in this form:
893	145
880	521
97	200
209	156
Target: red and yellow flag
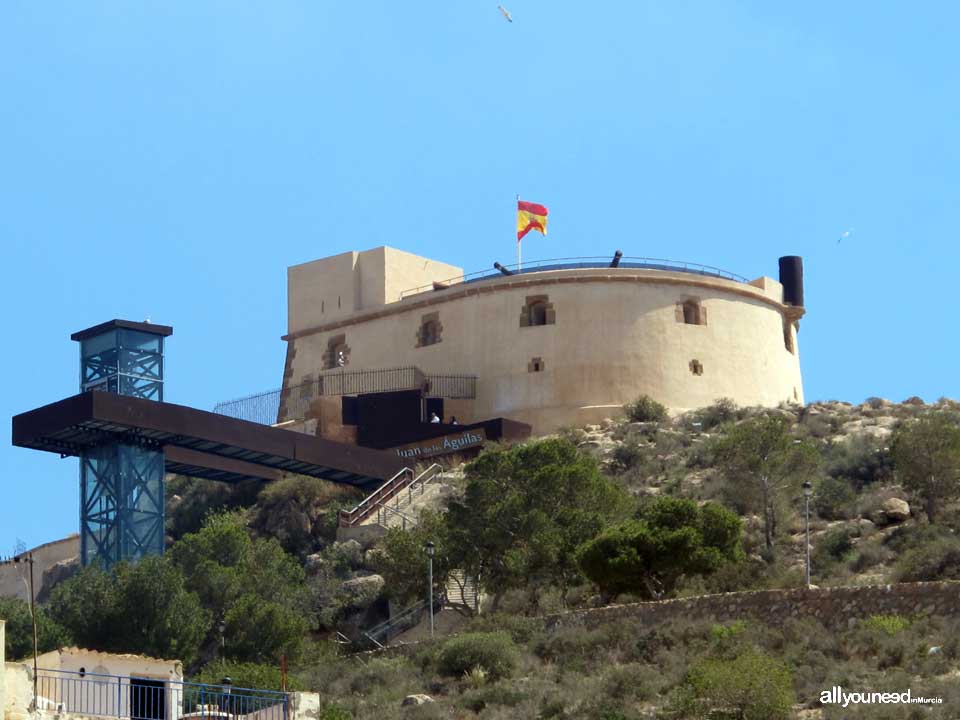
530	216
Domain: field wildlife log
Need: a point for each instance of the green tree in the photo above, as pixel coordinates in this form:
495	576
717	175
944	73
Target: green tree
525	511
245	675
671	538
19	629
926	455
762	460
401	559
142	608
229	570
263	630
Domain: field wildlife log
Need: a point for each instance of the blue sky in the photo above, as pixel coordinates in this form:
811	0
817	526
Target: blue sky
171	159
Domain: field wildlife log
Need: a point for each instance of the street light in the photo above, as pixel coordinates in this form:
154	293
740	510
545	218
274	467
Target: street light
807	492
430	550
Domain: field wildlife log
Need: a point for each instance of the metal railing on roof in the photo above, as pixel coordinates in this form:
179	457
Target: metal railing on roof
573	263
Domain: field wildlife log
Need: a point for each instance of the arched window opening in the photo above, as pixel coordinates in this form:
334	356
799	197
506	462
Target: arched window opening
538	310
337	354
538	313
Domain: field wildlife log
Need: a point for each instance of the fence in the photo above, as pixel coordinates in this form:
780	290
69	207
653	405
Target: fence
97	695
574	263
264	408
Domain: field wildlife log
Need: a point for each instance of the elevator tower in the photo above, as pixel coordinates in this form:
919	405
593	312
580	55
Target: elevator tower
121	479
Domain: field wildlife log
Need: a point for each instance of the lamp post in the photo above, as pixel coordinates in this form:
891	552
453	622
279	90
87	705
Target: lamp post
430	550
807	492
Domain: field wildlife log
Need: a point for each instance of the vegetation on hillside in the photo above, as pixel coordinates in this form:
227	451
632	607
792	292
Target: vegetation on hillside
643	508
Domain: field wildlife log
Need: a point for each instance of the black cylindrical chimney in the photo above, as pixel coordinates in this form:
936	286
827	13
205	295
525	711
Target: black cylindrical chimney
791	277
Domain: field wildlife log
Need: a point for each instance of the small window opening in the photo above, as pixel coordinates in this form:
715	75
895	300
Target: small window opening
338	302
321	305
696	367
691	313
535	365
430	330
538	313
338	353
538	310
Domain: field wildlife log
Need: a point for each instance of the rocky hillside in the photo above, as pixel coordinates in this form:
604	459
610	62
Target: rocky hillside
862	520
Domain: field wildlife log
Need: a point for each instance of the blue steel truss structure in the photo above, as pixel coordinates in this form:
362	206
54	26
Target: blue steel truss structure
121	482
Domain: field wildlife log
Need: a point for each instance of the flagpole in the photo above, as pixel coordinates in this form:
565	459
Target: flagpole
519	241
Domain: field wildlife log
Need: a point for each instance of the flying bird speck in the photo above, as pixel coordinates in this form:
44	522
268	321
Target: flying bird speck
505	13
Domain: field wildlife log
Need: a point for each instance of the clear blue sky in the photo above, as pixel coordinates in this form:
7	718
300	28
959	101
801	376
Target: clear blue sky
171	159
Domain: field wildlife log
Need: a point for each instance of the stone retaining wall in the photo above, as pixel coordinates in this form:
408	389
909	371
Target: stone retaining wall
834	607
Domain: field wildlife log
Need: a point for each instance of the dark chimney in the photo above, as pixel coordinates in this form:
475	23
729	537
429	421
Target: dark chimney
791	277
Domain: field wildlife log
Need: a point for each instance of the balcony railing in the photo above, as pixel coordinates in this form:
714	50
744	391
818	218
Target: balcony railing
574	263
264	408
112	696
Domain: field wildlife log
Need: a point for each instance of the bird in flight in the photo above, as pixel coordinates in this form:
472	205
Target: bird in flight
844	235
505	13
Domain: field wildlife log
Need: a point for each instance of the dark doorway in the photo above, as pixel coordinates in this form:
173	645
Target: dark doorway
148	699
434	405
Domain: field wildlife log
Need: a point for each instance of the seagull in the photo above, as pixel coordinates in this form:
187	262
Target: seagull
505	13
844	235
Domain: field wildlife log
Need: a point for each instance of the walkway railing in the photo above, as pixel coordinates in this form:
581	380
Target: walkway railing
574	263
295	400
112	696
390	490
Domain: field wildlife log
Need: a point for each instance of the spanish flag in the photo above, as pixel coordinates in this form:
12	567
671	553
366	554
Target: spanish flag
530	216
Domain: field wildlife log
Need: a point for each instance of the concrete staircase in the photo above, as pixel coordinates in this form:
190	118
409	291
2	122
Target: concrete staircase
462	591
428	492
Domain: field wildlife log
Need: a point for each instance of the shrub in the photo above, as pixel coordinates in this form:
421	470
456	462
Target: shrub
645	409
887	624
495	653
834	545
863	459
937	560
333	712
868	555
834	499
723	410
627	455
522	629
753	686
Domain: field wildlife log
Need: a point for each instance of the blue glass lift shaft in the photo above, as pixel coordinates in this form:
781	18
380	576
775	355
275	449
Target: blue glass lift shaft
121	483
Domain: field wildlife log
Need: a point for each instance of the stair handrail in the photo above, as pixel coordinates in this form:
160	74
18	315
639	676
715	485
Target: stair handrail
356	514
403	516
403	479
387	625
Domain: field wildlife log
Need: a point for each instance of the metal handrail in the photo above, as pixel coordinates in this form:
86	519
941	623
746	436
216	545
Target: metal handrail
100	695
391	488
384	627
361	506
579	262
403	515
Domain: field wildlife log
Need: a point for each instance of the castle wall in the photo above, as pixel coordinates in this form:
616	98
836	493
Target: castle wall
14	578
616	334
